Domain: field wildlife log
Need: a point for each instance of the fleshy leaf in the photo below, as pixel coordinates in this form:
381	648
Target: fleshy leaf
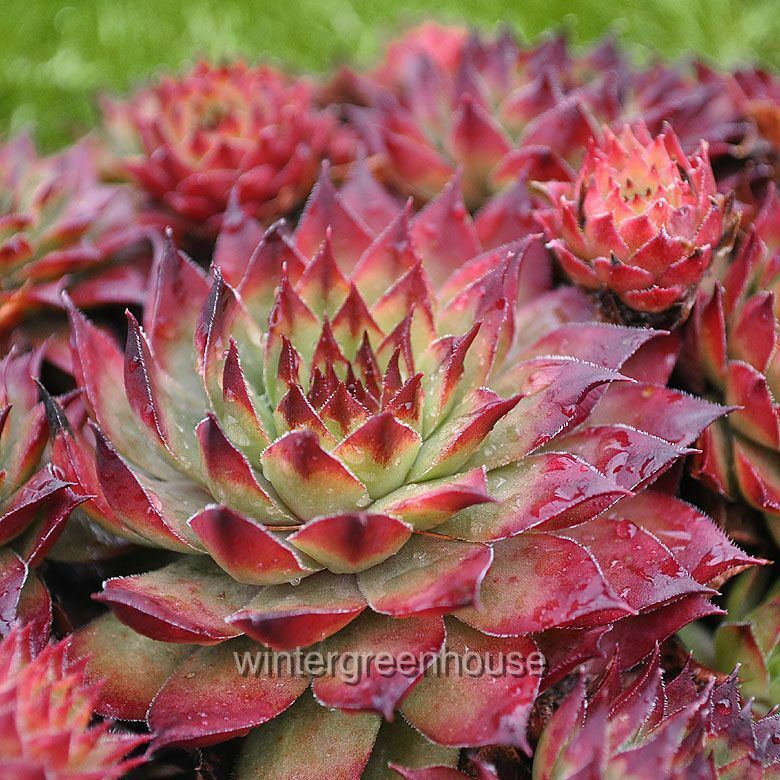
429	504
351	542
231	479
380	453
186	601
428	575
133	502
208	700
535	491
246	550
286	617
397	741
114	653
489	708
694	540
389	657
630	458
553	391
635	563
541	581
338	745
325	210
670	414
309	480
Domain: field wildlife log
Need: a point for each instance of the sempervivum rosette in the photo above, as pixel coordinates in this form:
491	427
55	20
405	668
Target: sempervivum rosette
733	339
640	225
190	140
759	97
341	454
697	101
61	227
45	714
645	727
749	637
757	94
35	502
444	99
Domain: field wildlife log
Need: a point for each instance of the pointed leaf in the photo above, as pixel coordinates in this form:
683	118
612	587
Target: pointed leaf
99	368
207	700
285	617
309	480
136	506
429	504
675	416
630	458
351	542
390	256
231	479
176	294
275	251
640	569
380	453
246	550
187	601
536	491
694	540
338	745
428	575
489	708
114	653
554	391
387	657
324	210
444	233
541	581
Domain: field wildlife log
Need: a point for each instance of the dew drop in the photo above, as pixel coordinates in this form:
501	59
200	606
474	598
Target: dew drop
625	529
723	707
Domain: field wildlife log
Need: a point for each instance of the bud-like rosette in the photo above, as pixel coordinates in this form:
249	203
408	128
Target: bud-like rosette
60	227
34	502
45	713
634	728
732	344
191	140
357	449
444	99
640	225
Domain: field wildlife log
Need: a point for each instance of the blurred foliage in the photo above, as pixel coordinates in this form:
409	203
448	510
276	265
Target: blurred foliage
56	56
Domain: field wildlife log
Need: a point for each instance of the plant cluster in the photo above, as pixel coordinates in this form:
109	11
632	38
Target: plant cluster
470	354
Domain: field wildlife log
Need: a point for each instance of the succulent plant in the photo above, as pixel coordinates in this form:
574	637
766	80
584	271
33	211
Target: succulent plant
732	343
391	442
749	638
60	227
444	99
190	141
640	225
35	501
697	101
46	710
417	413
646	727
759	98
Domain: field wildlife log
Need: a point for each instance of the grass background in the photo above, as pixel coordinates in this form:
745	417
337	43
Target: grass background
56	56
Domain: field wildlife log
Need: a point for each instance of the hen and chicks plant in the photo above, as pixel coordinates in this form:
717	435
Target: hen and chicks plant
363	426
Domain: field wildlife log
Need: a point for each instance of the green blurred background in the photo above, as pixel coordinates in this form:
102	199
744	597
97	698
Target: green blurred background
56	56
